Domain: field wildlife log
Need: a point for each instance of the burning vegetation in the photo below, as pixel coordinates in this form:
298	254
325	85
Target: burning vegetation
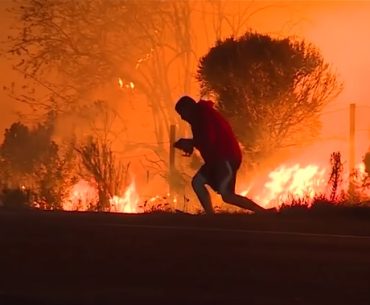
101	87
89	178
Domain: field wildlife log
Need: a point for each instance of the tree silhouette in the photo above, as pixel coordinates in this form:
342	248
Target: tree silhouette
272	90
24	148
32	160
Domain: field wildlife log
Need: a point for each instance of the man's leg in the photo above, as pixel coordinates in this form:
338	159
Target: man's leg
198	183
242	202
227	191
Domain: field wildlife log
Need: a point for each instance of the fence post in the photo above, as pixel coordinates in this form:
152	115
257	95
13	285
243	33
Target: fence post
171	171
351	161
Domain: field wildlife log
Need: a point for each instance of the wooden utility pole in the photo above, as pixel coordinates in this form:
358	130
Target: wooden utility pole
171	167
351	159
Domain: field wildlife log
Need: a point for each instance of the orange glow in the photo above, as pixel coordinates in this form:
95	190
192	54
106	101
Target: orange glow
338	28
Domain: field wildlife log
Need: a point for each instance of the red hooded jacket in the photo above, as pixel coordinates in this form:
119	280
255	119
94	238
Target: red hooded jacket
213	136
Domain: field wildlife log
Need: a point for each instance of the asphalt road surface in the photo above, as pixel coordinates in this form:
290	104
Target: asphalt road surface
90	258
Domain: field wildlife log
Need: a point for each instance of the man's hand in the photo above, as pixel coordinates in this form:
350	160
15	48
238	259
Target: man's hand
186	145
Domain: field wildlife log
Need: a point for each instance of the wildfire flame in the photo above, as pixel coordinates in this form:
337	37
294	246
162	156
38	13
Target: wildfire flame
84	195
289	181
296	182
129	85
128	203
120	82
286	182
81	197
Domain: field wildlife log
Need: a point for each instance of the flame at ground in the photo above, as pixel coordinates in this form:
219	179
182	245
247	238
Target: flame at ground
83	196
286	182
296	182
128	203
282	185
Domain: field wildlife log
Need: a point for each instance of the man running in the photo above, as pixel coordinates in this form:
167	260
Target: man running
216	142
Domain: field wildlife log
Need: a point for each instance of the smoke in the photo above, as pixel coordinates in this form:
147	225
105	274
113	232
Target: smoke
339	29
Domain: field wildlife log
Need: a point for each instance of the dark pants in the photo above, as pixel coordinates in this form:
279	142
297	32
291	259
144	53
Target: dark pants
220	176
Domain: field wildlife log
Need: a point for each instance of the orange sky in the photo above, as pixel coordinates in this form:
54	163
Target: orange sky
340	29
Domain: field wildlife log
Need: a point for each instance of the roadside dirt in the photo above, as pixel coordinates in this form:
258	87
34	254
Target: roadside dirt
95	258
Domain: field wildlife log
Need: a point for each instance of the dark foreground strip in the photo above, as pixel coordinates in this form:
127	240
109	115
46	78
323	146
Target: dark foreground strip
201	229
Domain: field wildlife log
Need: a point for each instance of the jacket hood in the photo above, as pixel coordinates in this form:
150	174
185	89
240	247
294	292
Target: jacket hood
207	103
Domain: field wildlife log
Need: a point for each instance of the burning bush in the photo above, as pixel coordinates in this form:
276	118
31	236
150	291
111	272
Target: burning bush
109	175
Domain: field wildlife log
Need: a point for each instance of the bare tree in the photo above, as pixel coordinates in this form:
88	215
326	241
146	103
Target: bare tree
96	152
70	48
73	47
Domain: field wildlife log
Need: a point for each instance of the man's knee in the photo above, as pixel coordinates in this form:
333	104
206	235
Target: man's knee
227	196
198	182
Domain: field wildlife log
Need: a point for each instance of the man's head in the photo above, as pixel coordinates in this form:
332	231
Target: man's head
185	107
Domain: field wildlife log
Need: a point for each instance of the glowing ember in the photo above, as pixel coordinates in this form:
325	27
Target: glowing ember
159	203
128	85
120	82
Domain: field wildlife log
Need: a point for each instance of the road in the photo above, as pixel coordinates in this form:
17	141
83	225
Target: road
89	258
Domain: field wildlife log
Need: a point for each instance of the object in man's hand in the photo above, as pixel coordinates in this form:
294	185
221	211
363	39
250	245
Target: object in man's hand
186	145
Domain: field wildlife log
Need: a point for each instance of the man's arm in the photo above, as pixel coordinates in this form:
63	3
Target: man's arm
186	145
